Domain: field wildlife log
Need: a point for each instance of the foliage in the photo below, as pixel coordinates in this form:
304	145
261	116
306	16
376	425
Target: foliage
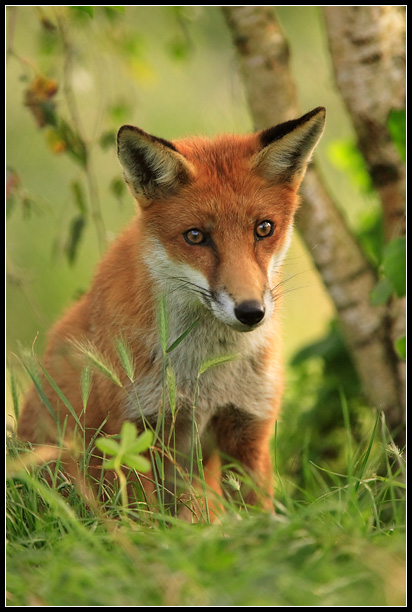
397	129
312	408
393	272
127	452
389	259
346	156
339	544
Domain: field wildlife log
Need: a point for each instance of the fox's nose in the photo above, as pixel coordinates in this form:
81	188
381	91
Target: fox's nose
250	312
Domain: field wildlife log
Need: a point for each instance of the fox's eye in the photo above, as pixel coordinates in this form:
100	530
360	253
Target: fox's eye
264	229
194	236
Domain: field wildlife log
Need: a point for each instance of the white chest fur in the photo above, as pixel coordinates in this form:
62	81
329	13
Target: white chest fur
203	377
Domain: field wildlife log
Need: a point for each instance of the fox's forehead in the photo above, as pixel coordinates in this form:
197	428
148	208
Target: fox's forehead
220	155
224	145
225	189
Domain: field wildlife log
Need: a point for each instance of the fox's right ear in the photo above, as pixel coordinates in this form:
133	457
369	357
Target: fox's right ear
287	147
152	167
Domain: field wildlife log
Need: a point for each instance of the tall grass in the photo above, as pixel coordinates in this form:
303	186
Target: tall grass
337	538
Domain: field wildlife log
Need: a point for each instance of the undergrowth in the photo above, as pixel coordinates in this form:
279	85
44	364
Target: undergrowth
337	536
340	541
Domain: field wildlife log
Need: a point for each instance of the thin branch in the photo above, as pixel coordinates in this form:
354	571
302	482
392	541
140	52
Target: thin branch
94	198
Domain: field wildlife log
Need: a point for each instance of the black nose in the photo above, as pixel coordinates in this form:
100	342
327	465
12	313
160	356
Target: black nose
250	313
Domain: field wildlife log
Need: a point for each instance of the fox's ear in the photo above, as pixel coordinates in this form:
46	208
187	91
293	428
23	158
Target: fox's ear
287	147
153	168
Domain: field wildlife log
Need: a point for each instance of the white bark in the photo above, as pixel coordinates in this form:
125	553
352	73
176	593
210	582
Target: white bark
367	45
263	56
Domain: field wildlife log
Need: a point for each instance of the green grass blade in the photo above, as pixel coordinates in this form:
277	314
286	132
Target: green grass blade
86	385
163	324
215	361
126	358
367	453
180	339
14	394
61	396
96	359
42	395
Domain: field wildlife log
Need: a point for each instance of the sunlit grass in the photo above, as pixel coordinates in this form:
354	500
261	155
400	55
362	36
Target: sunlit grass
336	538
339	543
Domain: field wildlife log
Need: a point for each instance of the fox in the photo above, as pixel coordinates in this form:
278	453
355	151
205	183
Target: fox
214	220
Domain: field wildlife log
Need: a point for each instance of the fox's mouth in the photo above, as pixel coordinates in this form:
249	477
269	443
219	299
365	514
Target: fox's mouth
241	327
245	316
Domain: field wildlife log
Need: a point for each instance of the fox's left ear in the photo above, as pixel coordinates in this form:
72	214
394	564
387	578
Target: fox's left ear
287	147
153	168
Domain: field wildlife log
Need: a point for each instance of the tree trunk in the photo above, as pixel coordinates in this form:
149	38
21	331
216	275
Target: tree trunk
367	45
263	56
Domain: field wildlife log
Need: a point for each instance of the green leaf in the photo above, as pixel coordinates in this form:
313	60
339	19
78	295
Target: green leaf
111	464
397	129
79	197
394	264
381	293
400	346
76	229
108	446
75	146
127	435
136	462
115	9
141	444
89	10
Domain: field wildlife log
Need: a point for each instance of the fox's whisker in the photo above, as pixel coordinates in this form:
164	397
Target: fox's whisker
190	286
279	289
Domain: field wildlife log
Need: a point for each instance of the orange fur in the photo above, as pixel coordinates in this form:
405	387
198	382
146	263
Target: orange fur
233	191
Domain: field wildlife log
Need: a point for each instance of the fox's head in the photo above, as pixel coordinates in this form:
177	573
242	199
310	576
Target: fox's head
218	213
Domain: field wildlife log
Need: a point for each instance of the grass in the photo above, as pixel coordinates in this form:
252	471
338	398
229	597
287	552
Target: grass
339	542
337	537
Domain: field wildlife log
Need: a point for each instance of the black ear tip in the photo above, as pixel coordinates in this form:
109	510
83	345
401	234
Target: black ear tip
318	111
130	129
133	133
282	129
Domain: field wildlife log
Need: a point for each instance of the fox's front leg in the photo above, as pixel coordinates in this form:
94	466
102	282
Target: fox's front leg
245	438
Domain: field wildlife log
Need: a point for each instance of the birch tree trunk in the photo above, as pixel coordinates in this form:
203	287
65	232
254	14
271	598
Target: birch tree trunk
367	45
263	56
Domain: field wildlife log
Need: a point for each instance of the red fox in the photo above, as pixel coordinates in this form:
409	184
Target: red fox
214	222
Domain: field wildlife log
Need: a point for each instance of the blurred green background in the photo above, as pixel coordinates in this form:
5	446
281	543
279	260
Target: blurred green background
173	72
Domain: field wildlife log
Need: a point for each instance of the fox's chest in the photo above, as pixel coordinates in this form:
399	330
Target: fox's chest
207	371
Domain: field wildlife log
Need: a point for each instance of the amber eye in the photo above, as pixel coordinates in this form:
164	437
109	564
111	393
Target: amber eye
194	236
264	229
